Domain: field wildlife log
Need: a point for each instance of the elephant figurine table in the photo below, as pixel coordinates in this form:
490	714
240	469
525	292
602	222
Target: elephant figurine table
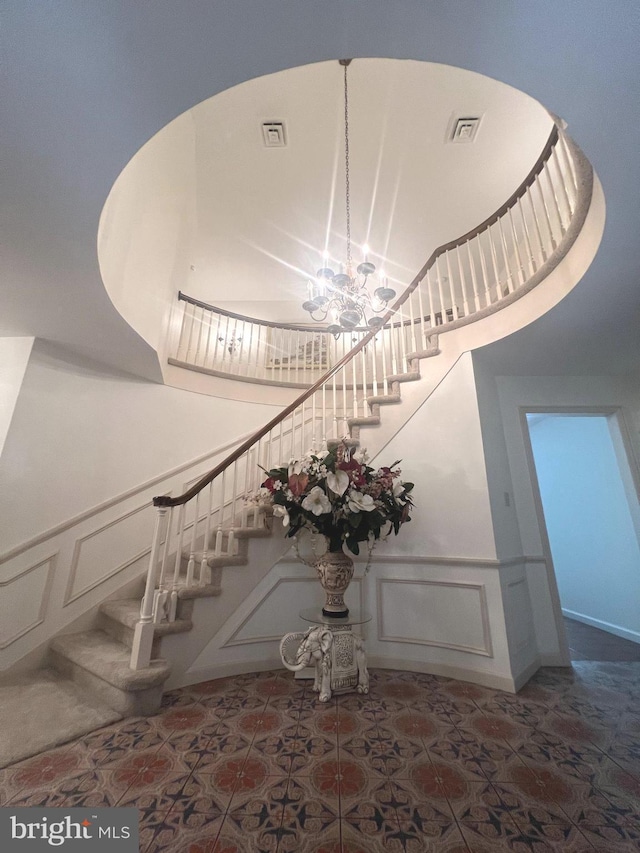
336	653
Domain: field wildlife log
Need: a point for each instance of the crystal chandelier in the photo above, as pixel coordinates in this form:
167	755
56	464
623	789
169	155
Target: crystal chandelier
344	297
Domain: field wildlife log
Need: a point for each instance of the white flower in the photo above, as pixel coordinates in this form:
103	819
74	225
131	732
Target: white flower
281	511
295	467
338	482
398	488
317	502
361	503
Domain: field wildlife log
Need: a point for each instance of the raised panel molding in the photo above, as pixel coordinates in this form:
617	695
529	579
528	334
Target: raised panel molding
236	640
29	600
82	543
476	602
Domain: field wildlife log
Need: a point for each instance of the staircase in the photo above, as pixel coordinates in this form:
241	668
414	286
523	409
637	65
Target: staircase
98	661
203	539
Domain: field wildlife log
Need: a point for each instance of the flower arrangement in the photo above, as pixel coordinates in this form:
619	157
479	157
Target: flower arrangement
339	496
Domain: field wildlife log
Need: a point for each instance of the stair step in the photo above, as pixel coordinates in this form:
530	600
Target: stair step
126	611
221	560
252	532
411	376
423	353
370	421
384	399
109	660
100	664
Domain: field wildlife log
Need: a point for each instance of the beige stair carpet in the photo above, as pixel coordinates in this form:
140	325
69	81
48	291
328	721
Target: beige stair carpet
43	710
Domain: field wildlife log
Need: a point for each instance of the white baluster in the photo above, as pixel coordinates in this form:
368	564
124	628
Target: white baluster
452	293
219	532
483	268
144	631
516	244
474	279
173	602
385	382
204	565
192	550
527	237
463	283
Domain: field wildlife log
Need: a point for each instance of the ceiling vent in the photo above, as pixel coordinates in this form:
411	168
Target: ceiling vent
274	134
464	128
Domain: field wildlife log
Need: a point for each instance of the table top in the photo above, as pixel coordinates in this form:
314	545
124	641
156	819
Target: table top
317	617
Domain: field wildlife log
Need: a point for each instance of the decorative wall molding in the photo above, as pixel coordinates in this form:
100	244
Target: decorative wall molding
276	637
485	649
428	560
71	595
101	507
50	562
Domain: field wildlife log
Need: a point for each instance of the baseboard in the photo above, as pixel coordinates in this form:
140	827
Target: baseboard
476	676
223	670
625	633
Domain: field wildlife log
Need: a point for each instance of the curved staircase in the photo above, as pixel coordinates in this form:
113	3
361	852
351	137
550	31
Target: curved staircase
204	539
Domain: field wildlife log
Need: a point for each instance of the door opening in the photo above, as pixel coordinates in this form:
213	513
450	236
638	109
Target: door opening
592	516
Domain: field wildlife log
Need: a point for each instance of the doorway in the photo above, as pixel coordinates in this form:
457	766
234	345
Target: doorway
592	515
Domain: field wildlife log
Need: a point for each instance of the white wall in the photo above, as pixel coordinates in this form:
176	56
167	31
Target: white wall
442	452
80	436
14	357
591	531
516	395
143	247
439	599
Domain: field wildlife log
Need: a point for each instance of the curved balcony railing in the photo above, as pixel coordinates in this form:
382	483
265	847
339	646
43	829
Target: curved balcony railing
468	278
461	282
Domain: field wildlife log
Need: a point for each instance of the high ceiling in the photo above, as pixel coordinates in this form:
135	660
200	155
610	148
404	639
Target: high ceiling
261	218
85	86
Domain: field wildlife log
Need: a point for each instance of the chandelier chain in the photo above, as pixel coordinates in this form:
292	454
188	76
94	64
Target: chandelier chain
346	169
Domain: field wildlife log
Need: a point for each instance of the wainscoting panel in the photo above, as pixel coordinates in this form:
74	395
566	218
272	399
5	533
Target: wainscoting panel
289	595
448	614
24	599
108	550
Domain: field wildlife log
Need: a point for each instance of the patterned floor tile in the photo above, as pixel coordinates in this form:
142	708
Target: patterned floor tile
572	758
157	798
474	757
256	793
48	768
172	833
293	749
115	742
425	836
421	763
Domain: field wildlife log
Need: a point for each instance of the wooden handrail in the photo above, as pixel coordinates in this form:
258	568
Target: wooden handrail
168	501
290	326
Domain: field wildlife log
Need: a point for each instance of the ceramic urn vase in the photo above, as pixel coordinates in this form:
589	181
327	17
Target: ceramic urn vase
335	570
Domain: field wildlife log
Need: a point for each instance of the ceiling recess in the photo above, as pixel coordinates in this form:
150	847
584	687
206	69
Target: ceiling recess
274	134
465	129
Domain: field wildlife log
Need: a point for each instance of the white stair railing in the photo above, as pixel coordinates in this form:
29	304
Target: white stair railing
507	255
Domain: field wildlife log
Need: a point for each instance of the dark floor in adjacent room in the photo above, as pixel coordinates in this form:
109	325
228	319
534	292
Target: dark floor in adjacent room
254	764
587	643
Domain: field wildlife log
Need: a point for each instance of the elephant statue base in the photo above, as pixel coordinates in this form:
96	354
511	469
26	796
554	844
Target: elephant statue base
336	653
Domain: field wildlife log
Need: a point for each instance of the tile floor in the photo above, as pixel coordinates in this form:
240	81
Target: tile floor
254	764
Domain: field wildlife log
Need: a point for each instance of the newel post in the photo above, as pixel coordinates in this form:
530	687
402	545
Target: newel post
144	630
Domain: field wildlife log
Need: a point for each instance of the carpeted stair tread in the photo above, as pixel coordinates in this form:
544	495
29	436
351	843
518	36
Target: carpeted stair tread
213	560
127	612
41	710
384	399
411	376
98	653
